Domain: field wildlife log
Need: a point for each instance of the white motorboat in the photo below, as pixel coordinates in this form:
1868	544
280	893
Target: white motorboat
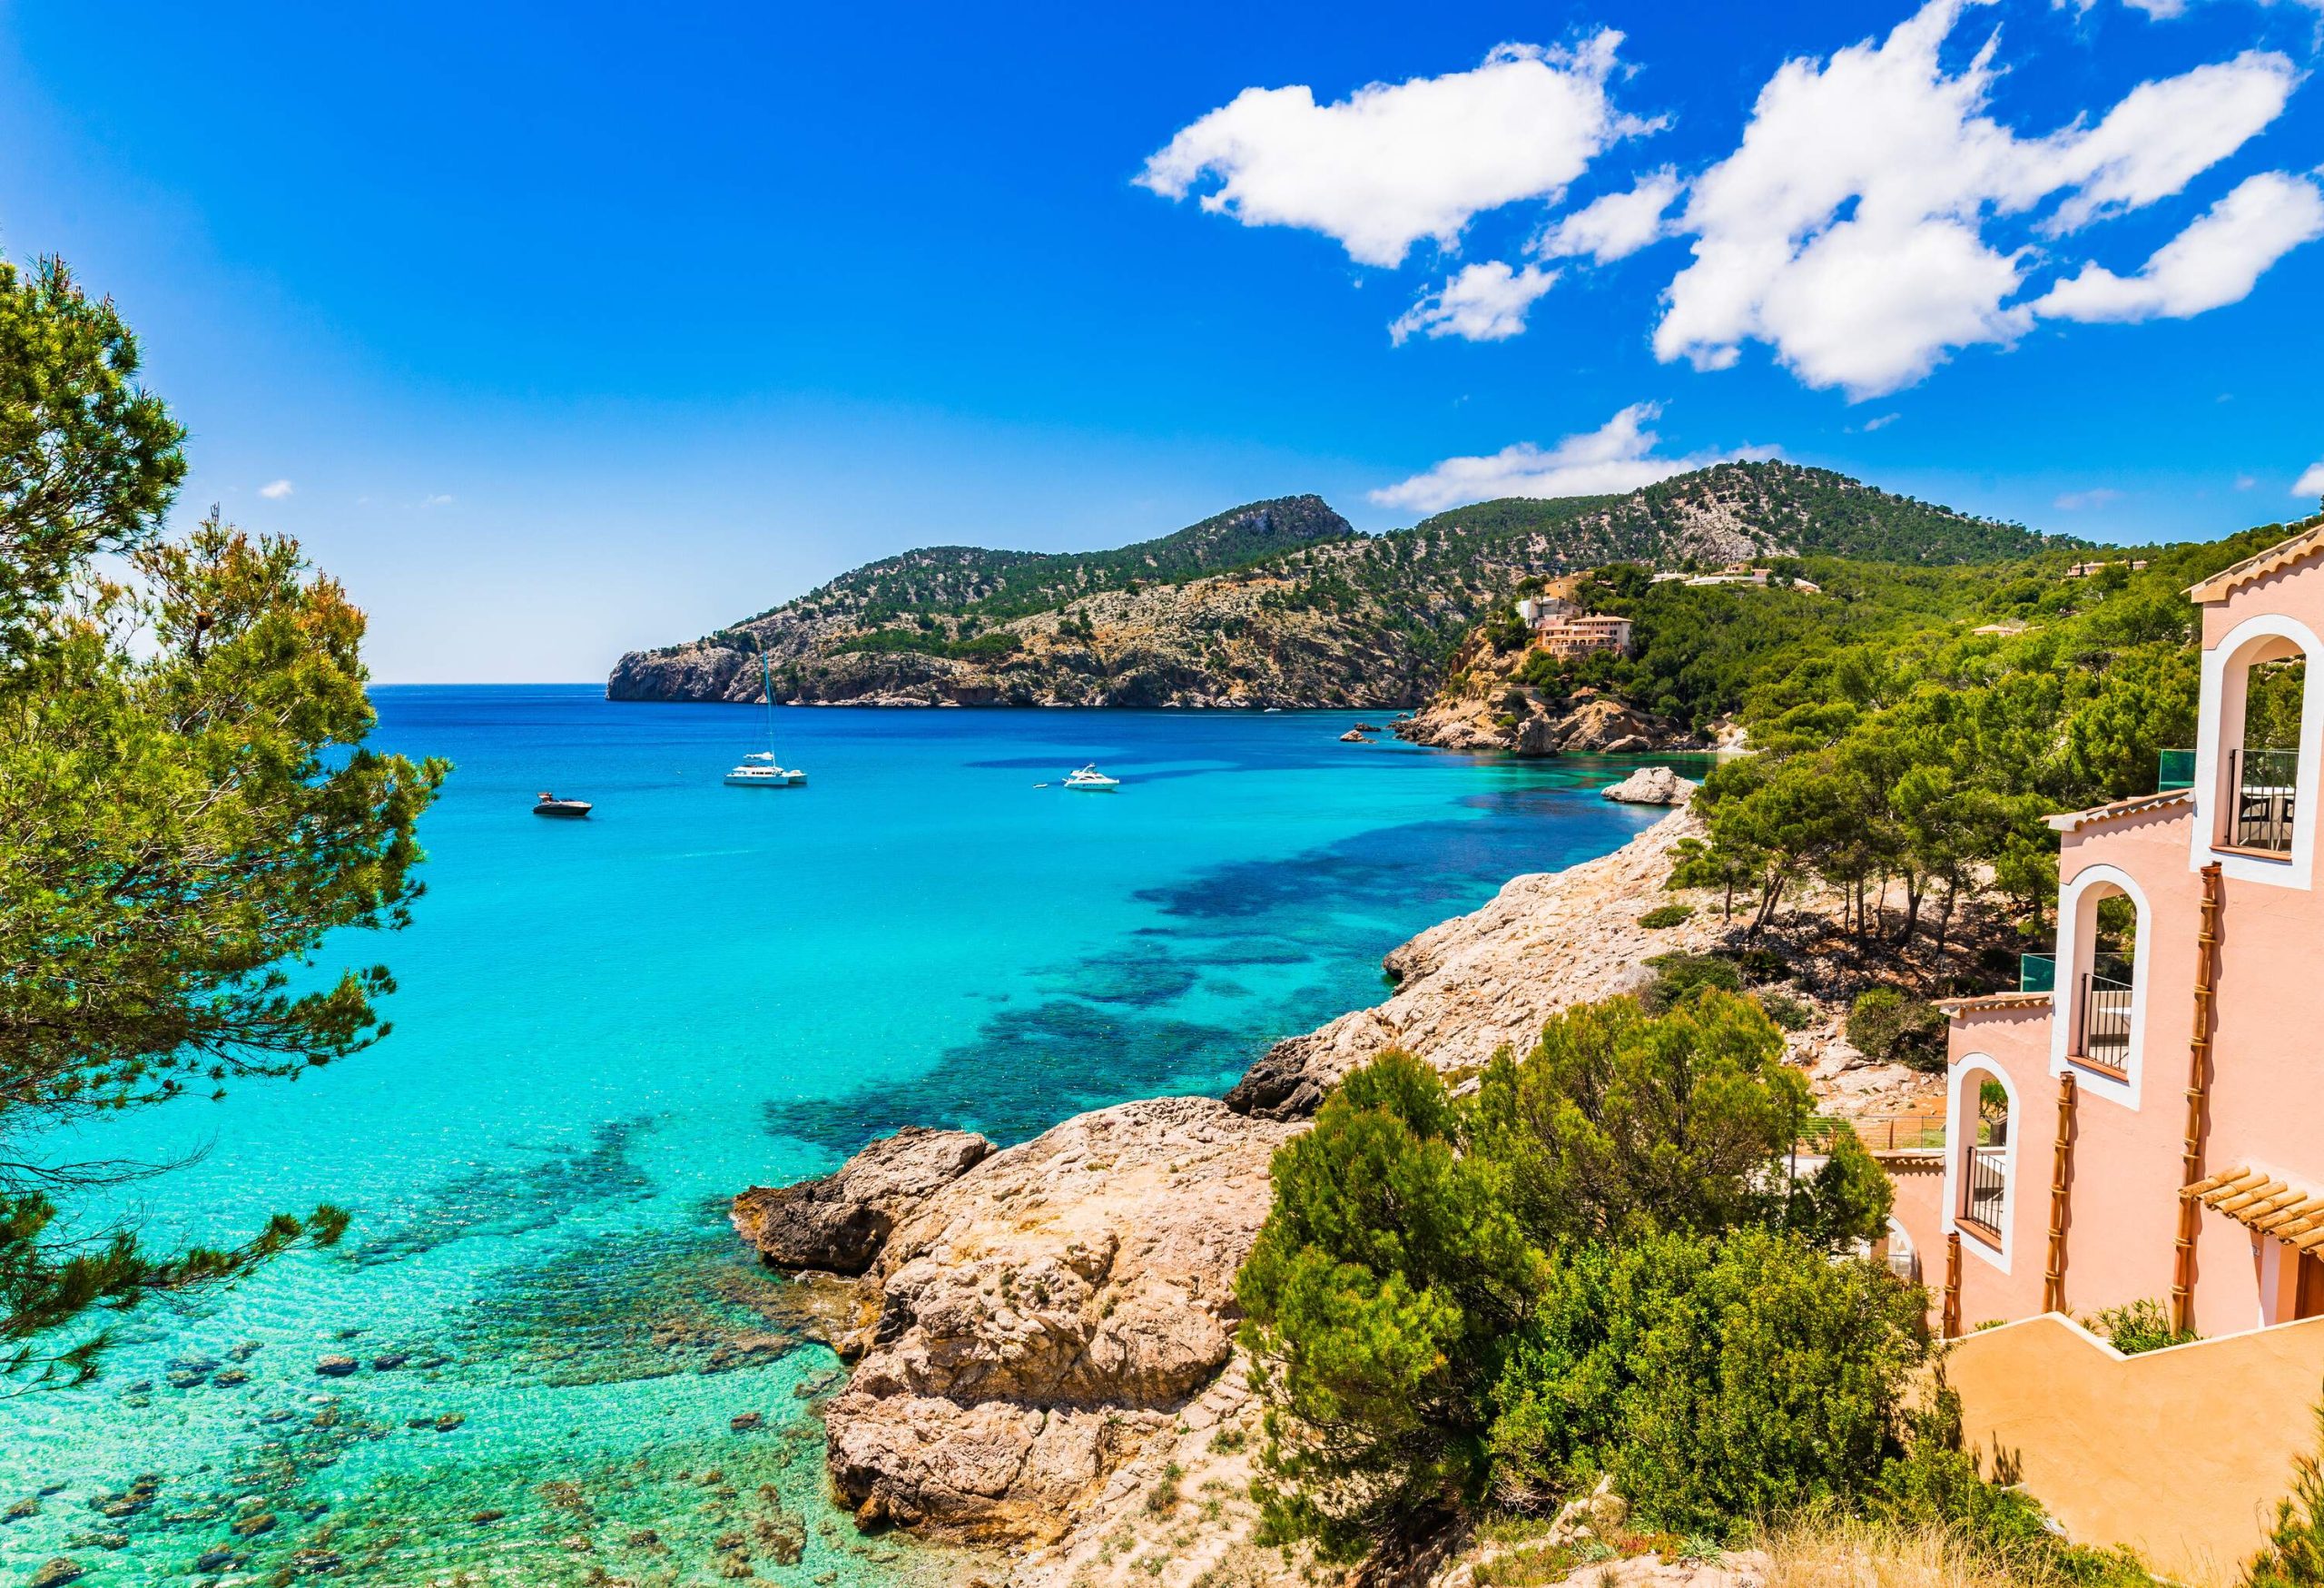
759	768
1089	778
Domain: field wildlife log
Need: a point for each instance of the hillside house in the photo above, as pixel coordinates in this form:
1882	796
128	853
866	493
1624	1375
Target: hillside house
2141	1121
1560	628
1737	573
1575	636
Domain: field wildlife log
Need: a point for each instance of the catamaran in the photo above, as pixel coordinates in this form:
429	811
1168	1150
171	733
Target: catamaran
759	768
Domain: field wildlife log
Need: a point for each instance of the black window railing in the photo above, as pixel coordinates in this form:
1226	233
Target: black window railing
2105	1017
2265	785
1988	1198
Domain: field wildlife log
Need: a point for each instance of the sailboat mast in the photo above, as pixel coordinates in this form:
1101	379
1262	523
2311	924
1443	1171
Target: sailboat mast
766	684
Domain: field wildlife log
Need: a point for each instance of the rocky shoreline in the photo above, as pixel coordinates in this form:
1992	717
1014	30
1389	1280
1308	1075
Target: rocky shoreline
1043	1336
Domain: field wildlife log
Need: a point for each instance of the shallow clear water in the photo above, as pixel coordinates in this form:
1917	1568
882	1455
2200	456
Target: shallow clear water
606	1028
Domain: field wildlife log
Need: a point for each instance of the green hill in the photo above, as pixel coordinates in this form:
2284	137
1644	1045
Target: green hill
1277	603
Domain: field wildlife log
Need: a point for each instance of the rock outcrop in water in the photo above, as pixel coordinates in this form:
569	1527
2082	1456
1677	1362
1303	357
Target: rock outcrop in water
838	1224
1650	786
1045	1315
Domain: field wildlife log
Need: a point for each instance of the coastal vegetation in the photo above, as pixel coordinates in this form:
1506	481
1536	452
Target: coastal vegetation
1915	723
1598	1268
1927	762
186	809
1584	1268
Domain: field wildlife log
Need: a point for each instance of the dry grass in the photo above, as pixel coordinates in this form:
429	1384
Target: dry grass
1840	1552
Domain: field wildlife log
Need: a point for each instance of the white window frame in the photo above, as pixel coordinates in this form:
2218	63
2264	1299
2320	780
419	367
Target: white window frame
2070	957
2298	870
1957	1112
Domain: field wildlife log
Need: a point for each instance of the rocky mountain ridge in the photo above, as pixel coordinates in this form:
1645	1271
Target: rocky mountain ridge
1278	603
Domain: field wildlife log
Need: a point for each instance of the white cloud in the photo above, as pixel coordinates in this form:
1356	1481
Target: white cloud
1847	230
2216	260
1396	163
2311	483
2075	501
2161	10
1880	423
275	490
2246	481
438	500
1617	457
2162	135
1484	303
1617	225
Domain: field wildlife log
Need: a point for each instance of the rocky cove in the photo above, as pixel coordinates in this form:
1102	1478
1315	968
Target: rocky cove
1042	1336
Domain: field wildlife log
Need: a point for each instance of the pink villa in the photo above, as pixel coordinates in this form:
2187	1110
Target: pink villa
2145	1123
1562	629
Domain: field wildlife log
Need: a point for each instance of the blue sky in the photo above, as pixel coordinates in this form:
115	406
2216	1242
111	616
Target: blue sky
556	330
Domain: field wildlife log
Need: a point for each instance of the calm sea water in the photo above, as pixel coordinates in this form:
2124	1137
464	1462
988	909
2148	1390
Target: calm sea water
605	1028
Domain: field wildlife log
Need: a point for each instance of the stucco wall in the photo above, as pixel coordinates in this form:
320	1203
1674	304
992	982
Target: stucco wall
2182	1455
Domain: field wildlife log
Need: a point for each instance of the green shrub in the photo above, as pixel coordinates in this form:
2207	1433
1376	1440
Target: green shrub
1679	977
1377	1295
1408	1249
2138	1326
1714	1379
1887	1025
1621	1124
1793	1014
1759	966
1663	915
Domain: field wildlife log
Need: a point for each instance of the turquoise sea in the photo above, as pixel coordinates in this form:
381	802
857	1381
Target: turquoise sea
606	1028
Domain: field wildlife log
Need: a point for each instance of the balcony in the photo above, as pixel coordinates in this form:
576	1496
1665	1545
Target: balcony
2265	785
1986	1205
2103	1015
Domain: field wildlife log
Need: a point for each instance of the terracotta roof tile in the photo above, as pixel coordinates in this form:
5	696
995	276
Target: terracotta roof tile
2260	1202
1995	1001
2260	565
2069	821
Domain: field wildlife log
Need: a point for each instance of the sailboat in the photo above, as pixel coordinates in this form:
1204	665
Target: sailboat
760	769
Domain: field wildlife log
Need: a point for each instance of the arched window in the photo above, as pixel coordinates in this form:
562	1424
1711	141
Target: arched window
1983	1144
2106	950
2259	742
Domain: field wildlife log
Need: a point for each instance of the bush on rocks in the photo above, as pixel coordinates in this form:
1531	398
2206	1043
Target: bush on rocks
1893	1028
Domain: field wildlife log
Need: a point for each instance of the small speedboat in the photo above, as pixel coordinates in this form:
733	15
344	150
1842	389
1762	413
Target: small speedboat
549	805
1089	778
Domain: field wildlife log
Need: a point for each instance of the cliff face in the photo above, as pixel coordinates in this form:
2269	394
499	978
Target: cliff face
1485	704
1277	603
